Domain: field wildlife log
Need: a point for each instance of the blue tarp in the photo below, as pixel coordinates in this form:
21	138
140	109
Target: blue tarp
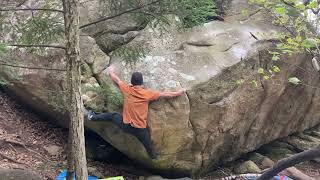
63	175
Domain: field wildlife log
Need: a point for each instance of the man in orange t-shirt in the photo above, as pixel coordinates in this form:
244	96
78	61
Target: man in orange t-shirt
135	108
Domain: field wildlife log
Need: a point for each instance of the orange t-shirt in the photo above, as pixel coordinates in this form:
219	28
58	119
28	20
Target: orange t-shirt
136	102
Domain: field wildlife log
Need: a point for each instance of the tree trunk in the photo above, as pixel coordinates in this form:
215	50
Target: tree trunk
70	171
72	32
290	161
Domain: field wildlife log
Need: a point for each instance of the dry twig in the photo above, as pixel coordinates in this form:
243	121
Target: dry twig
11	159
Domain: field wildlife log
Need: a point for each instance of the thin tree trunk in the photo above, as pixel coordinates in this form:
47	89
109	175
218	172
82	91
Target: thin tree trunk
72	32
70	156
290	161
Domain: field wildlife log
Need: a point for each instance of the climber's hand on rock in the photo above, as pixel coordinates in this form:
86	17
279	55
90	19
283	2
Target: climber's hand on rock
182	91
110	69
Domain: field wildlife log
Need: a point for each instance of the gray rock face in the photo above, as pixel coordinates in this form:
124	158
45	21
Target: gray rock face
217	120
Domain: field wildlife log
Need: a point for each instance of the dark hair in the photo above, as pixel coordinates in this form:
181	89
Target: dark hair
136	79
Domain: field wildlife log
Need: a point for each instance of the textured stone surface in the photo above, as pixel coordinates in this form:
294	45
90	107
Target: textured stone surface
267	163
92	55
53	150
303	142
247	167
42	90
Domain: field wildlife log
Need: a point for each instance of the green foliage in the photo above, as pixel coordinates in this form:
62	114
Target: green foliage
3	82
240	81
42	28
261	71
294	80
131	54
113	99
193	12
3	48
34	27
313	4
275	69
266	77
275	55
300	36
254	83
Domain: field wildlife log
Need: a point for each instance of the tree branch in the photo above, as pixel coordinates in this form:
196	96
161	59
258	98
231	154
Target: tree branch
21	3
36	45
31	67
117	15
315	12
290	161
31	9
306	2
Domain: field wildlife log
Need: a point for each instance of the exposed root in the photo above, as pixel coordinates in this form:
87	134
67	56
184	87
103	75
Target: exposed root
11	159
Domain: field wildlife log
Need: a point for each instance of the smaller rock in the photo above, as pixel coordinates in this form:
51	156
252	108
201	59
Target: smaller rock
91	53
85	98
91	94
256	157
302	143
247	167
95	172
315	134
277	150
99	65
308	137
53	150
267	163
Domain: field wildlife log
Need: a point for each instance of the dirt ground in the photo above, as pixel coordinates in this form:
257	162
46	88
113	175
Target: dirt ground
24	138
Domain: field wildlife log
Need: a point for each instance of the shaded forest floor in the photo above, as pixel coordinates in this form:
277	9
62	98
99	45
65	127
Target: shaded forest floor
27	142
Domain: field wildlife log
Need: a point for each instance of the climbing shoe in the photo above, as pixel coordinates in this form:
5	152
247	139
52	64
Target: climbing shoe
152	152
88	114
153	155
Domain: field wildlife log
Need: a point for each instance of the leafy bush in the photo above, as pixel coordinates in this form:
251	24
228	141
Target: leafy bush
109	99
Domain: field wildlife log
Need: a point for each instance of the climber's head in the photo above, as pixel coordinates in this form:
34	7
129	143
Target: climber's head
136	79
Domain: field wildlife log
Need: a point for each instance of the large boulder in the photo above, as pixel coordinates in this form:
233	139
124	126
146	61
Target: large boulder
218	119
43	89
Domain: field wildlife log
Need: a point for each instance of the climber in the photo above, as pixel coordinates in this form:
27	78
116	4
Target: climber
135	108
